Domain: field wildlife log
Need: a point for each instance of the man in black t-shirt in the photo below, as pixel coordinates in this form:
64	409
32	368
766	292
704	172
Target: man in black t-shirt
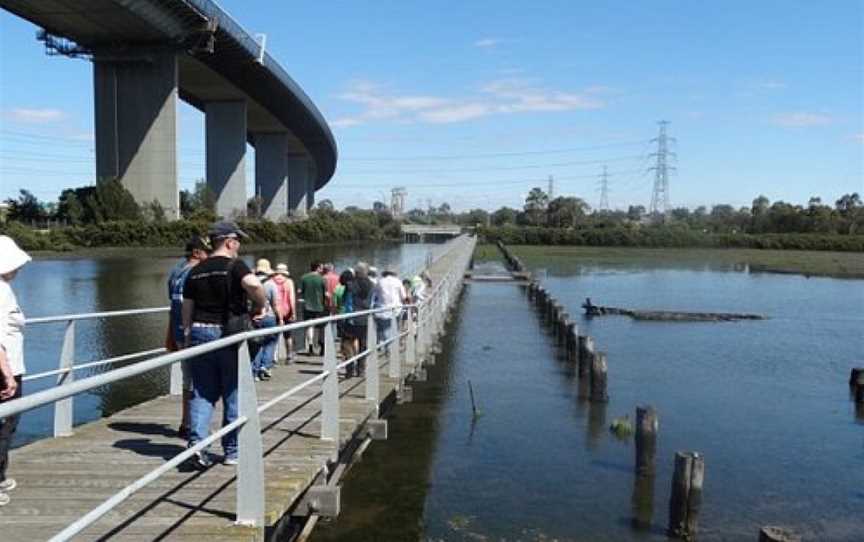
215	295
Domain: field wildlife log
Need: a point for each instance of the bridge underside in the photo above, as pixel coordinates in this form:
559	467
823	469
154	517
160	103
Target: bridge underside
149	53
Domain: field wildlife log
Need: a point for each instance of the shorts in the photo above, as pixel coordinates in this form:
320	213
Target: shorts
311	315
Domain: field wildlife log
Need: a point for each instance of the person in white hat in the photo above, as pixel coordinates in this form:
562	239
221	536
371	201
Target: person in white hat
12	259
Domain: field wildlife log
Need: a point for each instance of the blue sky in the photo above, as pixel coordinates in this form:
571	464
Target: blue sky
473	103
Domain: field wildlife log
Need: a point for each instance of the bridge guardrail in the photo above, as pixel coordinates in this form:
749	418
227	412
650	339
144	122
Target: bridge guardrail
419	337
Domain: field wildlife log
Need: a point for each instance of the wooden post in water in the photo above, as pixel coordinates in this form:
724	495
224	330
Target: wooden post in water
598	378
686	499
586	354
856	383
572	342
777	534
646	439
563	320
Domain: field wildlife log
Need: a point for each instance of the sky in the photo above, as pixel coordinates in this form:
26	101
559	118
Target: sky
474	103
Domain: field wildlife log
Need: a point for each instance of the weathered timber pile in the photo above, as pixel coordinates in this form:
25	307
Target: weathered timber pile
671	316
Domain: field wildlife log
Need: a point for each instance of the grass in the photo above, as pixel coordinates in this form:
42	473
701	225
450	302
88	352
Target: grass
808	263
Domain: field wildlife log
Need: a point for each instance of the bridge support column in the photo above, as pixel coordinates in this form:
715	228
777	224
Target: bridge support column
299	175
225	126
271	174
136	125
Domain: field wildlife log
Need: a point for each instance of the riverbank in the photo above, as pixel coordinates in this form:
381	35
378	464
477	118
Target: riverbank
849	265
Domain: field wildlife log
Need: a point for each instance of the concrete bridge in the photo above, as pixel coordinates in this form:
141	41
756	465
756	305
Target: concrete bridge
146	55
429	233
121	477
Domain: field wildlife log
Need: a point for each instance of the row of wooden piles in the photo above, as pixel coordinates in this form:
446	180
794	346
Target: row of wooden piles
689	471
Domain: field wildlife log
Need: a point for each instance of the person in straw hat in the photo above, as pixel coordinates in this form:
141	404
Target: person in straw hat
12	368
287	304
264	348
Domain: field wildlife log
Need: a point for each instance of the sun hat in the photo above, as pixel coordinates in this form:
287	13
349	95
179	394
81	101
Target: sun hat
226	228
11	257
282	269
262	267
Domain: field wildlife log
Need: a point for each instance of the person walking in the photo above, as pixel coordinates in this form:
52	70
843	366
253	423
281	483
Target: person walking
197	249
389	292
264	348
12	367
331	281
360	292
214	306
344	304
287	305
312	289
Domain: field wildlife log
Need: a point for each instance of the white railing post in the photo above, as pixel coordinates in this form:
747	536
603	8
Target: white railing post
250	469
176	383
393	354
330	389
372	385
64	409
411	343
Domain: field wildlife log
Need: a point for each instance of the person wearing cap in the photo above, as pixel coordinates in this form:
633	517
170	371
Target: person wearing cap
215	305
287	303
12	368
264	348
197	249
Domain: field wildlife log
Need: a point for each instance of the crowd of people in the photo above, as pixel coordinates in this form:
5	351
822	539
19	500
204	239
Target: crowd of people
214	294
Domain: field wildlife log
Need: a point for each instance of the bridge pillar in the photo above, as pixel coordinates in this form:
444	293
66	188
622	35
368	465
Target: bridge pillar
299	176
310	186
271	174
135	105
225	127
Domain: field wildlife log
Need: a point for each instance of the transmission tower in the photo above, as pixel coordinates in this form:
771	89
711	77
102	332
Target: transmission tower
398	197
661	169
604	190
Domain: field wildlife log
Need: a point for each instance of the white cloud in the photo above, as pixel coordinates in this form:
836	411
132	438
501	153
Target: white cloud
801	119
858	137
34	116
487	43
771	85
501	96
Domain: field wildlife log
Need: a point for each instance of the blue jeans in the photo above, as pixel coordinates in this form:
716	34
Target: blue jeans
214	376
265	350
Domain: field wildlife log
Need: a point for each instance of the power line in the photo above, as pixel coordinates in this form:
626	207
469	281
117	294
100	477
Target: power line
604	190
660	194
489	155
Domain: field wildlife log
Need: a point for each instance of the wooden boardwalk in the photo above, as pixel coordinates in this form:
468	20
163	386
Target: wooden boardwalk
61	479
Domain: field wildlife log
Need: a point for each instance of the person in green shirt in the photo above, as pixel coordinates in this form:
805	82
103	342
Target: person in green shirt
312	290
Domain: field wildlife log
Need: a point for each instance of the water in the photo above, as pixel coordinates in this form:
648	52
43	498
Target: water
765	402
49	287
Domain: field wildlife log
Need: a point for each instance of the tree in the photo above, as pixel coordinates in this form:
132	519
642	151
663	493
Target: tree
680	213
848	203
504	215
326	205
565	212
759	214
380	207
636	212
474	217
26	208
535	205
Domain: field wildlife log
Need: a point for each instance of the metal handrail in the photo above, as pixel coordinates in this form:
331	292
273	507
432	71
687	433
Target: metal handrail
250	471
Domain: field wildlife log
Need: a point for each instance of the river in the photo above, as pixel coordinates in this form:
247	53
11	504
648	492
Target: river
765	402
48	287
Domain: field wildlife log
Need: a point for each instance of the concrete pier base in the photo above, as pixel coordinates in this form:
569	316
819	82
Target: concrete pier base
299	177
271	174
225	126
136	125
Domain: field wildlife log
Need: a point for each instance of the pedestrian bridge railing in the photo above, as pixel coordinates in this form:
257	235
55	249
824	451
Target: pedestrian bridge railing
402	354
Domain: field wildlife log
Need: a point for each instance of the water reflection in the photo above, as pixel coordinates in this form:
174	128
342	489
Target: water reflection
642	502
597	427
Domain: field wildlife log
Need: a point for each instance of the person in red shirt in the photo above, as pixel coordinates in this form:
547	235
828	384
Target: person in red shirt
331	281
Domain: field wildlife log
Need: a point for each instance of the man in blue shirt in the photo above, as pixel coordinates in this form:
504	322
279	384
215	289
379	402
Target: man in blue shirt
197	250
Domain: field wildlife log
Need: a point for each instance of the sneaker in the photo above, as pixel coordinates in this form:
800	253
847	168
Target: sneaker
201	460
4	499
183	432
230	461
8	485
265	374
